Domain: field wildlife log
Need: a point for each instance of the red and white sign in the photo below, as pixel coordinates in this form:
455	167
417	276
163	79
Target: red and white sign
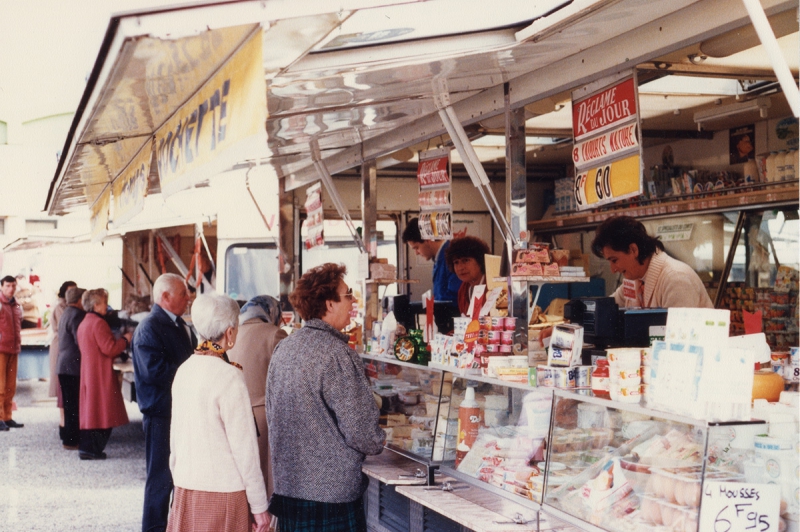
604	109
605	145
433	172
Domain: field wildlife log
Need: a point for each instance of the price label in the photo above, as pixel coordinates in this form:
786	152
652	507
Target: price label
740	507
606	183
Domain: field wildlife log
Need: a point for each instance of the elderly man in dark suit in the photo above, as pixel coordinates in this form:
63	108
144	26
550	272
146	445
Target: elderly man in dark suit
161	343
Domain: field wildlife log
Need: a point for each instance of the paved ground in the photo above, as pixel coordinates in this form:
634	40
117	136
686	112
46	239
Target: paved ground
44	487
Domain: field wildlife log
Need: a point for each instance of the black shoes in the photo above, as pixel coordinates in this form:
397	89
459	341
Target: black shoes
14	425
85	455
3	426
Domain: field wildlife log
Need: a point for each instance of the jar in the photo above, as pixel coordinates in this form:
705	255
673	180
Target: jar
405	348
423	355
600	379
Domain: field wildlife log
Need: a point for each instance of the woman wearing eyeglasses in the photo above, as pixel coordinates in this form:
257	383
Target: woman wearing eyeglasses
321	415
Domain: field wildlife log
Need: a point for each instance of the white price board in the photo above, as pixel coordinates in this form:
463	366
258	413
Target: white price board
740	507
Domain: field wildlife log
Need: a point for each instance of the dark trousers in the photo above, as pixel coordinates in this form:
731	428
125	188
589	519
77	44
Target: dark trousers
158	486
93	440
70	393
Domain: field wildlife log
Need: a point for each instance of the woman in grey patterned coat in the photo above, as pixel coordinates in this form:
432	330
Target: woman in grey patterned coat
322	418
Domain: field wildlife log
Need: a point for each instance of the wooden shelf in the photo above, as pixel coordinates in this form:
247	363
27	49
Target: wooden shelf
542	279
773	196
391	281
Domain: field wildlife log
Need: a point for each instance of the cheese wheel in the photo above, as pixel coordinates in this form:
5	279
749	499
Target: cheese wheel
767	385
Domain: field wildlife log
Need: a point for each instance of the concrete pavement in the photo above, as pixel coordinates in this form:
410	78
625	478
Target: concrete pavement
46	488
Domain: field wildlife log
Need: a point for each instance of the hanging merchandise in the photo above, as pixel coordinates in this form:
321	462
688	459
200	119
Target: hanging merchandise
313	224
433	175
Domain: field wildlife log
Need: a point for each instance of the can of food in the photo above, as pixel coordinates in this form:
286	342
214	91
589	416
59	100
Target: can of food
564	377
505	349
498	323
492	348
583	376
485	322
510	323
507	337
544	377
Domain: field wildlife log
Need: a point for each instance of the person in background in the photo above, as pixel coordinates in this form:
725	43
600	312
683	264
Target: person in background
26	297
259	333
161	343
465	258
445	283
68	366
658	280
322	417
212	425
55	315
101	404
10	346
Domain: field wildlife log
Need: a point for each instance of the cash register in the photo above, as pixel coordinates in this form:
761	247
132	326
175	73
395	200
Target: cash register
606	325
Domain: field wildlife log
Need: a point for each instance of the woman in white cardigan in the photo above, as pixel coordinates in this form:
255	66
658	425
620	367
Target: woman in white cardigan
213	445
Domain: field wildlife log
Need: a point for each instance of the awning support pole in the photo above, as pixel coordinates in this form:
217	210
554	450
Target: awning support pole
470	159
327	180
770	43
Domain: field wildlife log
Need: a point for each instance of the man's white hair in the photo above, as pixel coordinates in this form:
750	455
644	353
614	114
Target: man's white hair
168	282
213	314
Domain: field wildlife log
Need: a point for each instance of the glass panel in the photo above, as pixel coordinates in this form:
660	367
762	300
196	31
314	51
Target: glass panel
410	411
628	471
501	437
763	277
251	270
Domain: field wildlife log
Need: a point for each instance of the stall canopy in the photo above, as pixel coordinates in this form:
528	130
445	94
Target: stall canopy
174	94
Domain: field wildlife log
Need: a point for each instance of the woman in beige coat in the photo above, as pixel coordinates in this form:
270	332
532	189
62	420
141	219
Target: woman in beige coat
258	335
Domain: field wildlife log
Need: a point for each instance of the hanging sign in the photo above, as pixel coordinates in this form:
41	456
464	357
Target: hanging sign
674	232
130	187
740	507
99	216
433	176
607	149
314	222
222	124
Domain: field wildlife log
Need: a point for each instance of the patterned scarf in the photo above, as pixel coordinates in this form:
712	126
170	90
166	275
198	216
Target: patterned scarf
209	348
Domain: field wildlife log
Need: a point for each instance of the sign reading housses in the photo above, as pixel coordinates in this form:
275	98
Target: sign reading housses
222	124
607	141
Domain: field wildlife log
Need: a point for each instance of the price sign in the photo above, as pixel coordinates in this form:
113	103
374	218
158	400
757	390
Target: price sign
740	507
609	182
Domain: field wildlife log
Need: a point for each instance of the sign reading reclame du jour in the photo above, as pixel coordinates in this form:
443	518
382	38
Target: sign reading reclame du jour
222	124
607	141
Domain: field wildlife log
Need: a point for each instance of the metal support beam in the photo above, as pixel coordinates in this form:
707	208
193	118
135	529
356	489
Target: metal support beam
369	220
288	236
517	212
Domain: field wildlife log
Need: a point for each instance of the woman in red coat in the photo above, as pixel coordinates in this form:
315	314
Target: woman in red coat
101	405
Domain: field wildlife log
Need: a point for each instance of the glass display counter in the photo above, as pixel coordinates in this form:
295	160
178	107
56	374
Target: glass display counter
498	436
620	467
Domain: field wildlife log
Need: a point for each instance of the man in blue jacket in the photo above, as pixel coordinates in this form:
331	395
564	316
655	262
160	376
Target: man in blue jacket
161	343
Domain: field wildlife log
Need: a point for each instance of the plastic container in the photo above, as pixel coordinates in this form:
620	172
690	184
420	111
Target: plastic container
772	166
780	166
750	171
470	419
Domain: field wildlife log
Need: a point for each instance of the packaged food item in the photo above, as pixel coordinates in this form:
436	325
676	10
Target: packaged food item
600	379
470	419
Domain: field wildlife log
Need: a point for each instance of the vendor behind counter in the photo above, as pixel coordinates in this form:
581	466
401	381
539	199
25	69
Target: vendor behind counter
651	277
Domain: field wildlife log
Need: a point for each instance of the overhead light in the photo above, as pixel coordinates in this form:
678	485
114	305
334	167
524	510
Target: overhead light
721	111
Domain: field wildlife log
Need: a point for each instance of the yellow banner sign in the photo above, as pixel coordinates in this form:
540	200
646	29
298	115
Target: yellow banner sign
130	187
222	124
99	218
609	182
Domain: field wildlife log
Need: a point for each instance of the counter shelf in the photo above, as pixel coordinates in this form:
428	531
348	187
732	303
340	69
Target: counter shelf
394	361
621	467
394	469
477	509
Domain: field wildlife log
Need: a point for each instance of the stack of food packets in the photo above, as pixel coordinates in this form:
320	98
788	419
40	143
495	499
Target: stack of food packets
563	369
625	374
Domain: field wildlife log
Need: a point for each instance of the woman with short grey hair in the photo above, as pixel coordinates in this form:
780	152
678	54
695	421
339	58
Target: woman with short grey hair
212	424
